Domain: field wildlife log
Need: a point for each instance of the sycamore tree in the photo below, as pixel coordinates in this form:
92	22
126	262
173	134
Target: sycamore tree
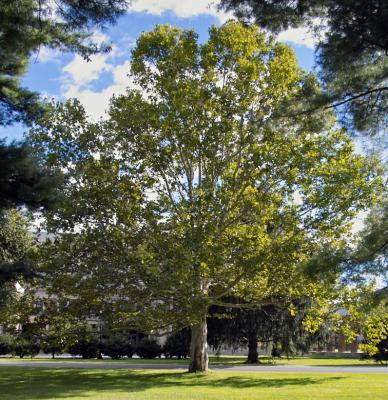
192	192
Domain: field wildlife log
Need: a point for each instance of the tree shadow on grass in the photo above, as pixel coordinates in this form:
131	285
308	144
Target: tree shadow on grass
44	383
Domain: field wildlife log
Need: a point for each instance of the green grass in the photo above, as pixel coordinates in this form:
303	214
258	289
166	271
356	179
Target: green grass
40	384
323	361
224	360
313	361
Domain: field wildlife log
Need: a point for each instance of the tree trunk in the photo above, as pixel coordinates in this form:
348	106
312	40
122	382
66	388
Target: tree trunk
199	360
253	355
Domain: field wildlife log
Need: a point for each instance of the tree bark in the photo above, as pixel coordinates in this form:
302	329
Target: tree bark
199	360
253	355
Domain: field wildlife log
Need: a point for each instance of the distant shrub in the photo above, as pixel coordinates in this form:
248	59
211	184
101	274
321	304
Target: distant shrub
276	352
52	344
86	347
177	344
82	341
24	347
148	348
117	346
6	342
382	354
129	350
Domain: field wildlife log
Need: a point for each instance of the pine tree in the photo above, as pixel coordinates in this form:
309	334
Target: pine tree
352	48
28	25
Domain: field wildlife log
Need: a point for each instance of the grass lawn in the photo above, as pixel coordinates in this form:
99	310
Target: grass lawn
224	360
325	361
40	384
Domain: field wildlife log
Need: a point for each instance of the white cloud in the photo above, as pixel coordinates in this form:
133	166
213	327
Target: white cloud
79	75
97	102
127	41
48	96
181	8
99	38
82	72
190	8
308	36
45	55
300	36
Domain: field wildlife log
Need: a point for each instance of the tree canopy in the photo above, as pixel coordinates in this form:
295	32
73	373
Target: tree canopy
352	48
191	191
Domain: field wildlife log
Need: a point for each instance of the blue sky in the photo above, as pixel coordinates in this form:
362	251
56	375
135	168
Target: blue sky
63	76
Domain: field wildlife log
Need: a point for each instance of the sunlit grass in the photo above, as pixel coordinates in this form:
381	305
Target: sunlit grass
41	384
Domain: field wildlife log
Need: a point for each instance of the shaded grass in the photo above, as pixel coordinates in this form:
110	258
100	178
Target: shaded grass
42	383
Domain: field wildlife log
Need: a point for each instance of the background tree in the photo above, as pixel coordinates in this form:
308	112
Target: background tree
371	252
25	27
6	344
369	318
205	197
177	344
376	335
23	181
84	341
281	328
118	345
53	341
16	247
149	348
242	328
28	25
376	329
364	256
352	48
57	328
24	345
